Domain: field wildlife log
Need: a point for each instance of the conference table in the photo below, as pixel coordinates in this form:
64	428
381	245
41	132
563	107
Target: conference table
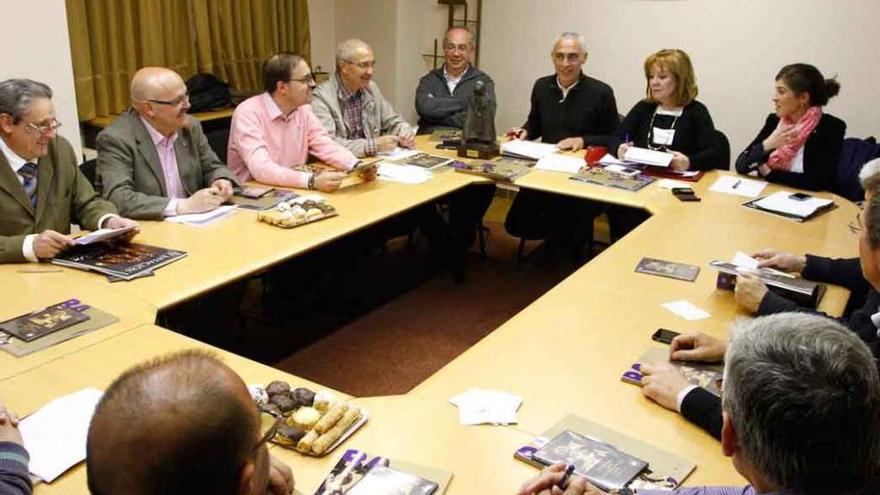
564	353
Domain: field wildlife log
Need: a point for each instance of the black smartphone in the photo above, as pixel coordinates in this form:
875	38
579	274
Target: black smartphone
664	335
685	194
799	196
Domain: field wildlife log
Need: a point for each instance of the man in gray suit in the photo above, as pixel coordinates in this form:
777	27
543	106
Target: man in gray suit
353	110
154	160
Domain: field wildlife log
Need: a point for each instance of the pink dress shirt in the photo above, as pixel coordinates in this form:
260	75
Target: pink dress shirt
264	145
168	159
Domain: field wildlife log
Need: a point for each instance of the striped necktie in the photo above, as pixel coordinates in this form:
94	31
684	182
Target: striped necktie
29	172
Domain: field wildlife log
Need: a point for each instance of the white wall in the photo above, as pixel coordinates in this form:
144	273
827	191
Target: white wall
40	50
737	46
322	28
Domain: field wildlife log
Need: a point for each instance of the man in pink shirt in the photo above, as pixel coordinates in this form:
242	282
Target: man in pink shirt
274	131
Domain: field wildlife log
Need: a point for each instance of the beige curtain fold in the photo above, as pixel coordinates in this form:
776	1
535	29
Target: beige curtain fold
111	39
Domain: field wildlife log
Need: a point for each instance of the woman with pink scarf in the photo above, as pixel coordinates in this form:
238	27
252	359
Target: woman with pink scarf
799	145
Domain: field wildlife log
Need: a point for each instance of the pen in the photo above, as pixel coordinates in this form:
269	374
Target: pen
564	480
736	184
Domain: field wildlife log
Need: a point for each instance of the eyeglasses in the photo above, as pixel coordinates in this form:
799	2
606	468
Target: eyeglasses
567	57
42	129
369	64
279	420
309	79
177	102
856	225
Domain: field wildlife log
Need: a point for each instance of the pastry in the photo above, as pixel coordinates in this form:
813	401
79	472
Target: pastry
284	402
324	442
322	401
289	435
303	397
306	417
331	418
272	409
305	443
259	394
277	387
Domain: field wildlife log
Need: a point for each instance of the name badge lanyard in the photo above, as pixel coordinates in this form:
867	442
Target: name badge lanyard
667	134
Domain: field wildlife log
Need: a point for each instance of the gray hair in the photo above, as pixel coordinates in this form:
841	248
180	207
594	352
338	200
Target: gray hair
803	394
576	37
346	49
460	28
869	176
16	96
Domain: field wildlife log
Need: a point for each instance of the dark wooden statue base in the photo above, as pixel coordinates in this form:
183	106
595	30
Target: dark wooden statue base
484	151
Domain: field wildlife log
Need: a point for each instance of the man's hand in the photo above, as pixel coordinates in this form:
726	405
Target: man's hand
571	144
545	484
123	223
201	201
49	243
406	140
328	181
9	427
662	383
222	188
370	172
280	477
697	347
771	258
385	144
749	291
680	162
517	133
783	134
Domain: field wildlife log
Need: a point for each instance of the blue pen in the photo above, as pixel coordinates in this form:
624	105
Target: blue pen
564	480
626	138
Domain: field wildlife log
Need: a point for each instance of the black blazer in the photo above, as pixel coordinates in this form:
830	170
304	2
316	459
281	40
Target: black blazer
821	154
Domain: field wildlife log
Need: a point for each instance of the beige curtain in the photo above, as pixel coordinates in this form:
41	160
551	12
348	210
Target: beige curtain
111	39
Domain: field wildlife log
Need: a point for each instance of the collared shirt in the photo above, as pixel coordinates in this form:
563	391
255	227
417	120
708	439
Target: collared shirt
168	159
564	89
264	144
16	162
353	113
452	82
875	319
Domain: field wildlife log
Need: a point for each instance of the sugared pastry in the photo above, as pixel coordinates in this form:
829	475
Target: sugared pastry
306	417
331	418
323	399
324	442
277	387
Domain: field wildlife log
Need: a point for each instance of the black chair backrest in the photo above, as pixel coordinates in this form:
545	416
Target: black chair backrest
724	146
88	169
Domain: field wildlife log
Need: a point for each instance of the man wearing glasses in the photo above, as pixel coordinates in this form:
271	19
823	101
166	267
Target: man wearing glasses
276	130
442	95
351	107
181	424
42	189
154	161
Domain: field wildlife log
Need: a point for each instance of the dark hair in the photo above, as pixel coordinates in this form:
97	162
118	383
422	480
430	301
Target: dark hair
279	68
191	434
805	78
872	220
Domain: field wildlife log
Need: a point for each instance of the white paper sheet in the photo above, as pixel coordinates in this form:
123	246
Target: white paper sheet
405	174
743	260
610	159
529	149
398	153
782	203
686	310
479	406
55	435
203	219
648	157
101	235
560	163
739	186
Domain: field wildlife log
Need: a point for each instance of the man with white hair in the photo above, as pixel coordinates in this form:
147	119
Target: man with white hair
351	106
799	413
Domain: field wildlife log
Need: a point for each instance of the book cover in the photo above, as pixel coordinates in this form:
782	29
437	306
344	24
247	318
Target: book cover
424	160
504	171
804	292
602	177
705	375
43	322
352	178
669	269
125	261
263	202
358	473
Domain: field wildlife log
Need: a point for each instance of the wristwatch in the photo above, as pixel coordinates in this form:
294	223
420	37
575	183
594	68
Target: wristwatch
312	181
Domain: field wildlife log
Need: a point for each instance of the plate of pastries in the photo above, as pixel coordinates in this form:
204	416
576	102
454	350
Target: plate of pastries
314	423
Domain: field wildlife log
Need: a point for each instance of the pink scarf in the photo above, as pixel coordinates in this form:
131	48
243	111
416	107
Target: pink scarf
781	157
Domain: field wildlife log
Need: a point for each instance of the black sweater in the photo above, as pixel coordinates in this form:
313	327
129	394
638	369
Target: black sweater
704	409
821	154
589	111
694	133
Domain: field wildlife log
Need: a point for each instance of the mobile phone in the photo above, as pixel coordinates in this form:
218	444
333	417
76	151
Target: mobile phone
664	335
799	196
685	194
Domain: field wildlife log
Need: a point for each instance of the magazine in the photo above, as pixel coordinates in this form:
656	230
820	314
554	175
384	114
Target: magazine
122	261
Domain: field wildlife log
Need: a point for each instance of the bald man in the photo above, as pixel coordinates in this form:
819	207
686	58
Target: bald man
353	110
181	424
154	160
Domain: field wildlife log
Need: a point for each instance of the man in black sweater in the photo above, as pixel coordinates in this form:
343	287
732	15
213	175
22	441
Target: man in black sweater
571	110
860	275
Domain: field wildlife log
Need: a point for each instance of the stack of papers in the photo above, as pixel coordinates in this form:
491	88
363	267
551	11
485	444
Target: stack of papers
405	174
739	186
781	202
560	163
647	157
101	235
531	150
746	262
686	310
55	436
610	159
479	406
203	219
398	153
